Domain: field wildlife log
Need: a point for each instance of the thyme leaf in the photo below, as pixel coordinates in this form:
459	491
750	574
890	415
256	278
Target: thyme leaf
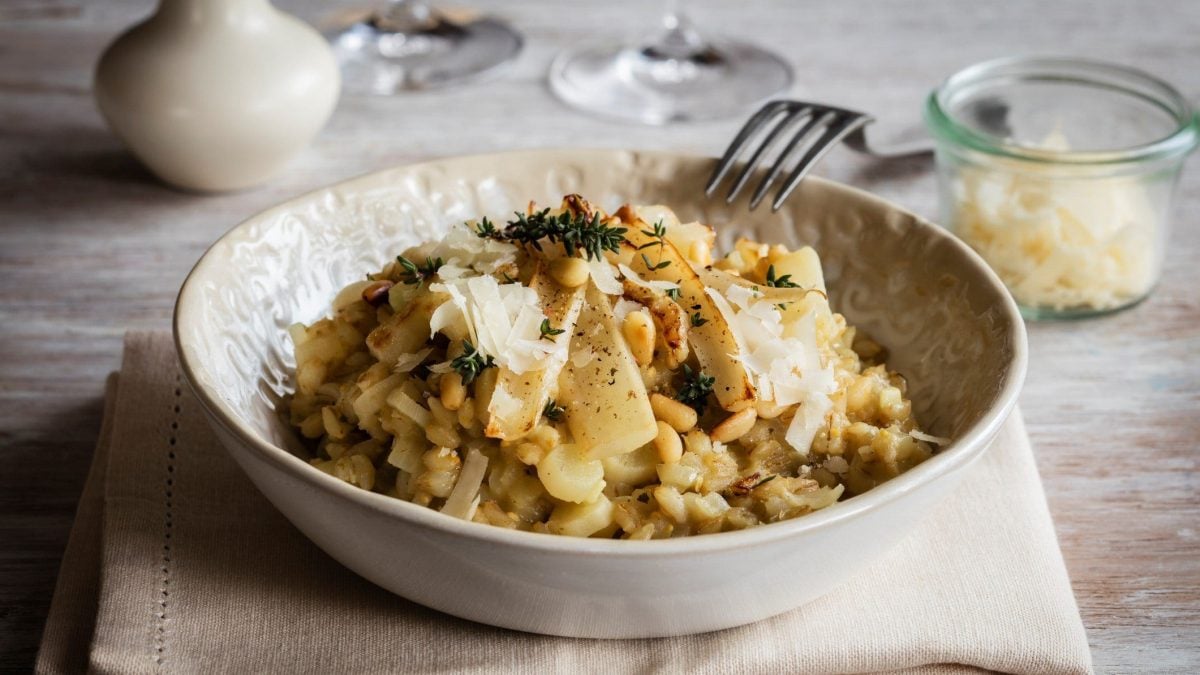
652	266
696	388
553	411
548	333
764	481
784	281
485	229
414	274
471	363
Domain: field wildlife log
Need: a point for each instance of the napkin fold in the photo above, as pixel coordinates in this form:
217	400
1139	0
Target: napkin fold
176	563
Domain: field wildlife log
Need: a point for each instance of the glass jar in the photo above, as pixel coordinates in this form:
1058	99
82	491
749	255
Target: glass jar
1061	174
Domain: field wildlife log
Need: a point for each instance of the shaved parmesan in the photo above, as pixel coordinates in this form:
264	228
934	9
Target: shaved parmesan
1061	241
410	408
604	277
785	365
809	419
465	253
656	286
783	362
929	438
465	496
407	362
502	321
623	307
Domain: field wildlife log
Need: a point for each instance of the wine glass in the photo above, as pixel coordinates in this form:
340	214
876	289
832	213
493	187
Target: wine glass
680	75
406	44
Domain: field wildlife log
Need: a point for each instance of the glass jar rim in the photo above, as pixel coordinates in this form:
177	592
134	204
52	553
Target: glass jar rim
1178	143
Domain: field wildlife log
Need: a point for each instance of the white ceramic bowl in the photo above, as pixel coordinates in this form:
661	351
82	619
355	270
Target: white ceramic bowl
950	326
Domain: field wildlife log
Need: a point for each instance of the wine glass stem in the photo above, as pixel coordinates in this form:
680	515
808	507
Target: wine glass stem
679	38
406	15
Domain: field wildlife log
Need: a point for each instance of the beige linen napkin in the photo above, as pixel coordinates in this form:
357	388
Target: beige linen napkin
176	563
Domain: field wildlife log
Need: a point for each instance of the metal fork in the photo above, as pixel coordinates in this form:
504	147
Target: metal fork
826	124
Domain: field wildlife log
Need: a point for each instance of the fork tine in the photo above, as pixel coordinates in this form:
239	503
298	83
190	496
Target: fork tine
799	140
832	135
756	121
766	144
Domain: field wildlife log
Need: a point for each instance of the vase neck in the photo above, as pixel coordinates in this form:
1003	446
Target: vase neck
206	11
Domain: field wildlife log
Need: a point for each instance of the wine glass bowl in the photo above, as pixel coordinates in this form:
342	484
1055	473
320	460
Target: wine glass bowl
680	75
407	45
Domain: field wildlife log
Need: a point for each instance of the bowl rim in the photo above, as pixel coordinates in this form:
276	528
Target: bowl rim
965	450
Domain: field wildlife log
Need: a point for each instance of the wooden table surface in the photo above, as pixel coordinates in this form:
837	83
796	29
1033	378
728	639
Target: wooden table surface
92	246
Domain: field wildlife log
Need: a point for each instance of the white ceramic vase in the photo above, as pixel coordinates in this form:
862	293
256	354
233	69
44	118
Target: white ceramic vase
217	95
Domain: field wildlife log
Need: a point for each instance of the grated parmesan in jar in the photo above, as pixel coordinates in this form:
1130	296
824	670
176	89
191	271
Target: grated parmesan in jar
1060	241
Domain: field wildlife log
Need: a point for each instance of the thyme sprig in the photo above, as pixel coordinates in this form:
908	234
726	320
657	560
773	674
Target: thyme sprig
653	266
414	274
658	232
549	333
673	293
553	411
784	281
471	363
764	481
485	229
696	388
575	231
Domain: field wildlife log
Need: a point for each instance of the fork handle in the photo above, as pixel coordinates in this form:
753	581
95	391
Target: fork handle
858	142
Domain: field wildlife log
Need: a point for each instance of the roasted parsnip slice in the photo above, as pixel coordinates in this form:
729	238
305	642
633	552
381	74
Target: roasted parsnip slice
669	318
607	409
721	281
712	340
793	303
519	398
682	235
406	331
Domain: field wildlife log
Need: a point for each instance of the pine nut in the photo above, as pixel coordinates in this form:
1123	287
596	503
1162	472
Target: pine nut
735	426
545	436
681	417
639	333
529	453
569	272
667	442
377	293
452	390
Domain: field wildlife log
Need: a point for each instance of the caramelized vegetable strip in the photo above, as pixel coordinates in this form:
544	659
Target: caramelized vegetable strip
712	340
794	303
721	281
669	318
519	398
607	409
462	499
406	331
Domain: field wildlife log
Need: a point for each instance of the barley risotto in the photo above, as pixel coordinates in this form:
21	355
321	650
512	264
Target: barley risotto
587	374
